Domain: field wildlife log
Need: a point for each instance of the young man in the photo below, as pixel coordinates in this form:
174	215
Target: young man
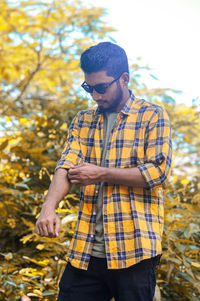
120	154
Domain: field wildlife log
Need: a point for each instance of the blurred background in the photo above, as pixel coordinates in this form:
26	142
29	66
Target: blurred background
40	47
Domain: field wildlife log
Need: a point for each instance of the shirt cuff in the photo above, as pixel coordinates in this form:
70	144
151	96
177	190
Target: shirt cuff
152	175
69	160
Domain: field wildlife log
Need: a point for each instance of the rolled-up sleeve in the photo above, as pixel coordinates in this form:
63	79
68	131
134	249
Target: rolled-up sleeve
157	150
72	154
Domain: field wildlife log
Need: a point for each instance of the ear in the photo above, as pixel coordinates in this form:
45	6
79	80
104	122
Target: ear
125	79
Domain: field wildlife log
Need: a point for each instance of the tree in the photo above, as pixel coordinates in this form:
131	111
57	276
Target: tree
40	45
178	275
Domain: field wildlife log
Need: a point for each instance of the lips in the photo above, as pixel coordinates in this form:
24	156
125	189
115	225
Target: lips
101	102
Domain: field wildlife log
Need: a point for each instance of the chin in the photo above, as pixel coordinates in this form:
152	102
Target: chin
102	109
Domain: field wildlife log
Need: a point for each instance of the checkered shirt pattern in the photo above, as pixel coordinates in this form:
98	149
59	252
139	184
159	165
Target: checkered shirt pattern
132	217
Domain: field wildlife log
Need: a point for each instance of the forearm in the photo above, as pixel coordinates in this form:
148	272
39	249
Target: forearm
58	188
123	176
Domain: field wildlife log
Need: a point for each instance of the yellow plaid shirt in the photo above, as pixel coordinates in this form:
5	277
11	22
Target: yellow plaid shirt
132	217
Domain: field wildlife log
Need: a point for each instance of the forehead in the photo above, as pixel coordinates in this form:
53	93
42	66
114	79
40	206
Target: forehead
99	77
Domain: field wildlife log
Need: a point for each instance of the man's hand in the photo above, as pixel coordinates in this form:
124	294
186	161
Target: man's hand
84	174
48	223
87	174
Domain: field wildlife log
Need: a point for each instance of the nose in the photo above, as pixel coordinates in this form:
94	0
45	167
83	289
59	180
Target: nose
96	96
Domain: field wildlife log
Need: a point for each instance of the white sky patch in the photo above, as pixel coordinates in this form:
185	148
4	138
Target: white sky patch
166	34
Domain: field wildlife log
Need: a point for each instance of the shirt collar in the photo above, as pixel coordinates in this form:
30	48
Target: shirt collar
126	108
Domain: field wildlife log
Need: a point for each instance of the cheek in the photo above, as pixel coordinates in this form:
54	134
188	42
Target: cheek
111	95
116	94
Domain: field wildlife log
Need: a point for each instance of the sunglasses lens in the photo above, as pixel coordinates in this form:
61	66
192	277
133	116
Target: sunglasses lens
87	88
101	89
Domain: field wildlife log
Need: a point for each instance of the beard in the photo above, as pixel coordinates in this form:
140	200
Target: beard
114	102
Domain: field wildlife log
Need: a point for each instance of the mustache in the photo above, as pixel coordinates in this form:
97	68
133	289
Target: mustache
101	101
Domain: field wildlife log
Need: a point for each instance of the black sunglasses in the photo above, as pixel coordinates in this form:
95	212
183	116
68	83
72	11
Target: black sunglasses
99	88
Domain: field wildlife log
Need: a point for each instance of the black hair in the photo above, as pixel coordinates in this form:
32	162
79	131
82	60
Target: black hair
105	56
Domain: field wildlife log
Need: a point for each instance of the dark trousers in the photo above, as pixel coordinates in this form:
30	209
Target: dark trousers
136	283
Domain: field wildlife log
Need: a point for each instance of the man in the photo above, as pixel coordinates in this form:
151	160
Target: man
120	154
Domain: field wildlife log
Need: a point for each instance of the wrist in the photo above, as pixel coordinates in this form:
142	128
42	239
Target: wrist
51	205
102	174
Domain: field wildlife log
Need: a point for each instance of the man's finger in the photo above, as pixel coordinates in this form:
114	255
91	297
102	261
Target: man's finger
74	177
40	230
74	168
50	229
76	182
45	230
57	227
78	165
73	172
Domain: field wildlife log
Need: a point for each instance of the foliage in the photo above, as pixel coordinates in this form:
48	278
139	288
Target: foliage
40	44
179	271
180	266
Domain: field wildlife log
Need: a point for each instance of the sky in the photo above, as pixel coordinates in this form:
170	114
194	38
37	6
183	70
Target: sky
166	35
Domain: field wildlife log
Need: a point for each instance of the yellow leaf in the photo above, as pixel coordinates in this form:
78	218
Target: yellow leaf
3	210
7	119
25	298
195	264
11	222
26	238
185	182
42	263
24	120
40	247
8	256
28	223
37	292
32	272
64	126
33	295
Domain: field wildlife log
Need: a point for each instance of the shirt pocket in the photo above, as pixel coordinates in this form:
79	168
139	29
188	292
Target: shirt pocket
125	154
126	146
